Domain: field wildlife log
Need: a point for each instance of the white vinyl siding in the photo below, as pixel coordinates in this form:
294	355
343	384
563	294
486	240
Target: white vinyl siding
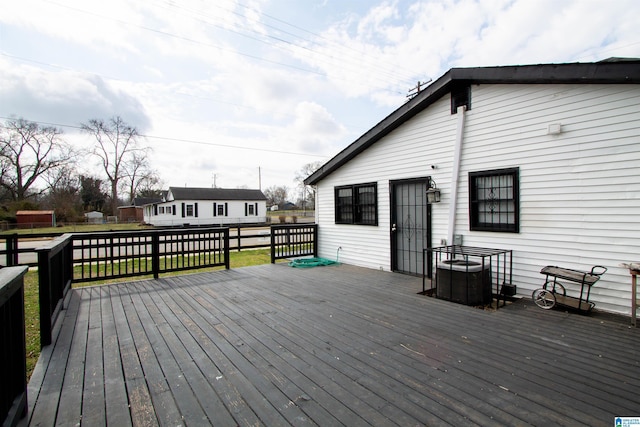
579	190
233	212
401	155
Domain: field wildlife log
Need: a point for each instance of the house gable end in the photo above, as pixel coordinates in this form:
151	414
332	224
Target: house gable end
604	72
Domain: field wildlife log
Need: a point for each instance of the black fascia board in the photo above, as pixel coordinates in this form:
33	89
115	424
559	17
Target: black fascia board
604	72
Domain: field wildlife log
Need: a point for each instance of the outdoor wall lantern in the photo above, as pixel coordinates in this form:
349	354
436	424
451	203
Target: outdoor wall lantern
433	194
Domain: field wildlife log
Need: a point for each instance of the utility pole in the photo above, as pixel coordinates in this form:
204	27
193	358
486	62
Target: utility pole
416	90
259	179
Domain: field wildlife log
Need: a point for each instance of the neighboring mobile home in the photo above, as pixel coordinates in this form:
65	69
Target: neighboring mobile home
539	159
207	206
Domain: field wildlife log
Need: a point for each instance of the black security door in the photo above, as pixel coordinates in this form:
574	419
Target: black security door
410	225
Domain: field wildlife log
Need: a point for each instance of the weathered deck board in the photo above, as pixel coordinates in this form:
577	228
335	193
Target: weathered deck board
340	345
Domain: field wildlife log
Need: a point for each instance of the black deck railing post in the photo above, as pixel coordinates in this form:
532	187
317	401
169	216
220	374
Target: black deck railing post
44	297
13	357
12	249
273	244
55	274
315	240
227	263
155	255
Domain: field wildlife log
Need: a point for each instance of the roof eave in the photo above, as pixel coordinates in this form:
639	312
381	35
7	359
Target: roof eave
425	98
593	73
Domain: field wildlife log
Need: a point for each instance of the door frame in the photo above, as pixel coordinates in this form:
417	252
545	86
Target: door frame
393	220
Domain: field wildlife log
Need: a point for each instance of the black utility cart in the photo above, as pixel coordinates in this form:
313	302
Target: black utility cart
553	292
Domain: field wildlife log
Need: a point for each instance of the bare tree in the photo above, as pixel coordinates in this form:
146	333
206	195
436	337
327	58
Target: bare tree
308	191
118	150
27	152
139	176
276	195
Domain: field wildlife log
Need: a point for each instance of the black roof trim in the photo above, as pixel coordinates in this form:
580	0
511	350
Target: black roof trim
610	71
191	193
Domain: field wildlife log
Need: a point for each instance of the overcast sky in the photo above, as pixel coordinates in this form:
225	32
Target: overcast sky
223	88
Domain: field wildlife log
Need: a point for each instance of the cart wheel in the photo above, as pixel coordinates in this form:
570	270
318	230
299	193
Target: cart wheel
543	298
555	287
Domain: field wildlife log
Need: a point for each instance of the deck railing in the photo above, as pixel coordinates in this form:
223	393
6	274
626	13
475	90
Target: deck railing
13	366
293	240
87	257
112	255
19	249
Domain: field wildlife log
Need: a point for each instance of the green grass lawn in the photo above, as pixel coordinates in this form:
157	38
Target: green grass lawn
32	312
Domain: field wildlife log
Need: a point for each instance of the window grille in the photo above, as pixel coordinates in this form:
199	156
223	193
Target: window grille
356	204
494	200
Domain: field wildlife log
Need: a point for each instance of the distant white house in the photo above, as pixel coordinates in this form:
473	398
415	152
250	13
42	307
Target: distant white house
207	206
539	159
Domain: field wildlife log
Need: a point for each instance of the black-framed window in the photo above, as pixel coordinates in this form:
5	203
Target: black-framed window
189	210
494	199
250	209
357	204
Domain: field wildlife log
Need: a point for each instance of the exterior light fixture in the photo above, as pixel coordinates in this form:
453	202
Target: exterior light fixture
433	194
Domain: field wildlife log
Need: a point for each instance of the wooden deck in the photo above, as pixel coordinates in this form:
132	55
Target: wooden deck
339	345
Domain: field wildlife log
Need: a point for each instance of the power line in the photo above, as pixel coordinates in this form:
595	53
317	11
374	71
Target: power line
393	68
392	71
340	64
190	141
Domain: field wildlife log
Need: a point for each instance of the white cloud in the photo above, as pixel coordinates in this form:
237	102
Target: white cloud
421	40
64	97
232	73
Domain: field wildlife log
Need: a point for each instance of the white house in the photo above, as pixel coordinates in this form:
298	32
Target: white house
543	160
207	206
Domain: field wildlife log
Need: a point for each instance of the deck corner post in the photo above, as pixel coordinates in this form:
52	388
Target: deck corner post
44	296
315	240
